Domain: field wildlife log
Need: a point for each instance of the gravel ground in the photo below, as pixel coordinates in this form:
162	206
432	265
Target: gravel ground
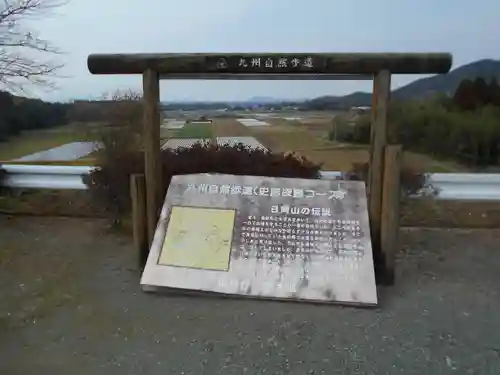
70	303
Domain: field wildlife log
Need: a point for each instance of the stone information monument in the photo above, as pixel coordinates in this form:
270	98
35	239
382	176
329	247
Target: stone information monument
261	237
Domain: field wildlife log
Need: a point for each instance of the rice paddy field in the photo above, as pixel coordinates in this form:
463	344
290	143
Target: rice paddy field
305	134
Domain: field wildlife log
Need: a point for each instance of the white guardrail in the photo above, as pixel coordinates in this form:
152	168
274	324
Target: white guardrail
449	186
25	176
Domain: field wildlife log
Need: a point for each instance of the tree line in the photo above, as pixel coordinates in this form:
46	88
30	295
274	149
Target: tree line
471	95
463	127
18	114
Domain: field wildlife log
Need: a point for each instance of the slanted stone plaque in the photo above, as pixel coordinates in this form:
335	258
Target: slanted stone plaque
275	238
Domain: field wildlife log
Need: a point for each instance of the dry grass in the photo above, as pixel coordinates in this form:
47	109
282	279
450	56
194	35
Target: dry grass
319	125
310	140
229	128
416	213
280	122
188	131
46	202
451	214
282	136
166	134
285	138
39	140
341	159
218	128
31	142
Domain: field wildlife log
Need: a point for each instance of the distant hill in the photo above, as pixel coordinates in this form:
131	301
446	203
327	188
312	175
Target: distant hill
448	83
444	83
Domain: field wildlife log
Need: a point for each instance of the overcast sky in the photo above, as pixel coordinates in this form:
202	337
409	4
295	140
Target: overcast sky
468	29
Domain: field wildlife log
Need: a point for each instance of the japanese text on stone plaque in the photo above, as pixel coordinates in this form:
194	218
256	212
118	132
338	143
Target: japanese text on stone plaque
279	239
260	191
285	237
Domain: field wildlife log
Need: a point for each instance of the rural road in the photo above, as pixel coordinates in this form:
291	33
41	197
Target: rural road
70	303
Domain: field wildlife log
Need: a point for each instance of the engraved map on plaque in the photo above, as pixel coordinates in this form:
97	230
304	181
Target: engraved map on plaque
209	247
262	237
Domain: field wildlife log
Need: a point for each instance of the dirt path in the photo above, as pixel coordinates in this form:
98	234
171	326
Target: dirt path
70	303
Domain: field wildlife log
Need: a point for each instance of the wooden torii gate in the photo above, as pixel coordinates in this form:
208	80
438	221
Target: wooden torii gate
383	183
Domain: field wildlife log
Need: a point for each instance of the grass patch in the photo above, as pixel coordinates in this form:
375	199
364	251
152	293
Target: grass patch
85	161
450	214
230	128
341	159
282	138
192	131
40	140
311	142
31	142
416	212
77	203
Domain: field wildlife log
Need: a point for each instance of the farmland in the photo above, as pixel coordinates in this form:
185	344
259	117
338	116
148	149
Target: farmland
305	134
35	141
302	134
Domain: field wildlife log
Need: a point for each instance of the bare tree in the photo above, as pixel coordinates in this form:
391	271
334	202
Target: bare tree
124	109
22	51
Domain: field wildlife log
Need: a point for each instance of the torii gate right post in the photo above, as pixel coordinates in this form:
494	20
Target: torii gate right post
322	66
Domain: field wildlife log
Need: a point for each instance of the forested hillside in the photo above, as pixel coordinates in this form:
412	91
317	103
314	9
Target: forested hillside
18	114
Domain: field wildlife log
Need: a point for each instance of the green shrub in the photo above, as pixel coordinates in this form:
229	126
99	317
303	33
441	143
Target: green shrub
344	131
361	132
341	130
109	182
434	127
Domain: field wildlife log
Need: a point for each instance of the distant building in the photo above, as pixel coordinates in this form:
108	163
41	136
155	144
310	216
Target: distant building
361	109
355	112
